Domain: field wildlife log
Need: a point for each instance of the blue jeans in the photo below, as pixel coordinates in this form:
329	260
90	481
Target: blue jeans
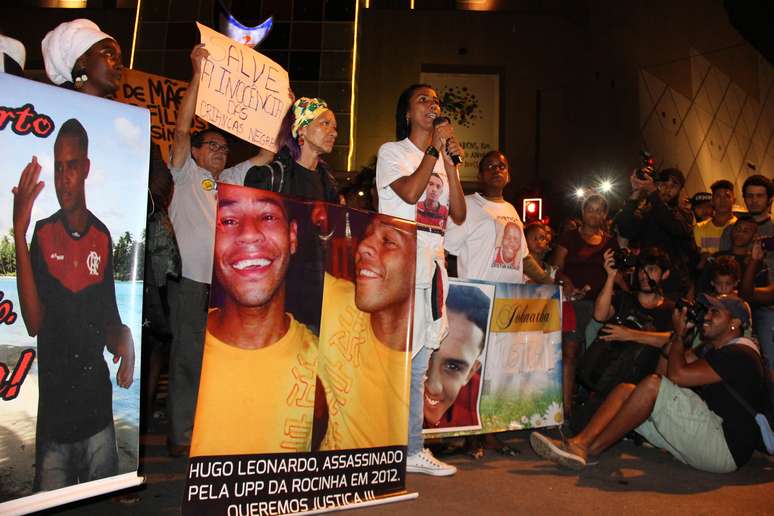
65	464
419	366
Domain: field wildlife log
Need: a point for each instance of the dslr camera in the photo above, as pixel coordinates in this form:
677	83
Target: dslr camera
647	166
624	259
696	310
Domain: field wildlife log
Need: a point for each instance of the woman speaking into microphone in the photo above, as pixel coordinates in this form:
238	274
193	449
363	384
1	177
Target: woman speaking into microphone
417	179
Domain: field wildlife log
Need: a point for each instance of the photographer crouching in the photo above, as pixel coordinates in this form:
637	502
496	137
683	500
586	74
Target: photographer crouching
632	326
687	408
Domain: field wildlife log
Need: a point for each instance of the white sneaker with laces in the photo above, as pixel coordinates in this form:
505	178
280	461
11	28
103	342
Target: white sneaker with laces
424	462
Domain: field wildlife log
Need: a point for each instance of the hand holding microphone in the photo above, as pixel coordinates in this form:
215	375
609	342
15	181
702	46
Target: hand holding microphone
450	145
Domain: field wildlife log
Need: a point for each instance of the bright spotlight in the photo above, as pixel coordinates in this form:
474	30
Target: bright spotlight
579	193
605	186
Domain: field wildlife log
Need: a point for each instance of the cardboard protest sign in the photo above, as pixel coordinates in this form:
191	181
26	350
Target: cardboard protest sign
506	378
161	96
308	410
79	298
241	91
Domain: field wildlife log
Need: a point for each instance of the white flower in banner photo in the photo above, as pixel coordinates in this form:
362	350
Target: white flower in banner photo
536	421
520	424
554	415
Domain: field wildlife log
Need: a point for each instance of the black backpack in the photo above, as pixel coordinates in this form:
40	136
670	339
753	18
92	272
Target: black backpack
606	364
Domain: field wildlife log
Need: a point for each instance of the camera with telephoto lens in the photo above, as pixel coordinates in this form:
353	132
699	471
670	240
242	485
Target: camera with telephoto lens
696	310
624	259
647	168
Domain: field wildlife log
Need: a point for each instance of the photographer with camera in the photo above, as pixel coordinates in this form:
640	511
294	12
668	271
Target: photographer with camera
632	327
652	217
692	408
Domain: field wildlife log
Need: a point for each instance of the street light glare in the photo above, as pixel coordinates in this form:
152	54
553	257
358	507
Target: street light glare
606	186
579	193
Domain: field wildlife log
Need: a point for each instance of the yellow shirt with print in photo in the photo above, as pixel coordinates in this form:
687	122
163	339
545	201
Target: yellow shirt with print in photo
366	383
256	400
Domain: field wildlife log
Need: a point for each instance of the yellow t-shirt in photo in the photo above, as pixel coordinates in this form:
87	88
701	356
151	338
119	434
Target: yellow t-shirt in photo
256	400
366	383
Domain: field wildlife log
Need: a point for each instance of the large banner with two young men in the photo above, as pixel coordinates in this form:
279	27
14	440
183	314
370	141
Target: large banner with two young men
75	171
499	368
303	400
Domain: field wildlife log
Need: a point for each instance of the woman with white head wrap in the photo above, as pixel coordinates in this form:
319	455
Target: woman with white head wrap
78	55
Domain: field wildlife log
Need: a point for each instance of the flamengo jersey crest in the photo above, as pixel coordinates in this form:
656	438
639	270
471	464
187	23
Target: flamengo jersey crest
92	262
77	263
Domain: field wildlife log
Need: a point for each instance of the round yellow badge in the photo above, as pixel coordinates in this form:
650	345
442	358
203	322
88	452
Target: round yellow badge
208	184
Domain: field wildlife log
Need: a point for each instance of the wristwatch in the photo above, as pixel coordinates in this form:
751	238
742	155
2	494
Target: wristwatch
432	151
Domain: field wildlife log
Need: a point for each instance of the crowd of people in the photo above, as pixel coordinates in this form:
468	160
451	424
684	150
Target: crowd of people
636	356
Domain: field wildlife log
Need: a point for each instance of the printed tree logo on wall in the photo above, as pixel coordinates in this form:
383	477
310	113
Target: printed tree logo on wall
461	105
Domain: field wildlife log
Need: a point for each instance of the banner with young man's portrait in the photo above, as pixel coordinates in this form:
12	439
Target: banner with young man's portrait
71	265
499	368
303	398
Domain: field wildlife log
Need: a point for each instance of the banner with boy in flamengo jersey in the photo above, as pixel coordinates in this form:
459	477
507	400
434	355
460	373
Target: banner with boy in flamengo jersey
71	261
304	391
500	366
241	91
161	96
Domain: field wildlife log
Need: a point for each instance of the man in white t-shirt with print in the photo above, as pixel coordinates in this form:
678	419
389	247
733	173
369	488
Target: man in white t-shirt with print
490	245
404	169
197	164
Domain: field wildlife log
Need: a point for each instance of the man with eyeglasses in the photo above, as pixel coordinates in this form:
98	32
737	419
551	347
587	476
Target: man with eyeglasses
490	245
198	163
492	223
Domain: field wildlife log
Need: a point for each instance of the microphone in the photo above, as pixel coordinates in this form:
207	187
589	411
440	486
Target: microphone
454	157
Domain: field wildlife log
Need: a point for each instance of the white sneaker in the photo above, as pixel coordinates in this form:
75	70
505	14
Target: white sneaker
424	462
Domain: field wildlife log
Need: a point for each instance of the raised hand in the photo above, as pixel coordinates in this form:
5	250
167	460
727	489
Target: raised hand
609	263
441	133
453	148
198	54
24	195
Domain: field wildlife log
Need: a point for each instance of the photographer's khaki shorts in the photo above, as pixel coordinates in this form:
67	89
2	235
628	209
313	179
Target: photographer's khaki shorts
682	424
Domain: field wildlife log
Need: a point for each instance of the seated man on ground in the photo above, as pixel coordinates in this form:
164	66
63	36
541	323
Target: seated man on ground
686	409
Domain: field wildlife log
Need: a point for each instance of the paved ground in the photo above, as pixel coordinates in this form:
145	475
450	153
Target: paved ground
629	480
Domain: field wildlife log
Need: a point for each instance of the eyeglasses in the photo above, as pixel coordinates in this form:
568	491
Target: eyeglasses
216	147
496	166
